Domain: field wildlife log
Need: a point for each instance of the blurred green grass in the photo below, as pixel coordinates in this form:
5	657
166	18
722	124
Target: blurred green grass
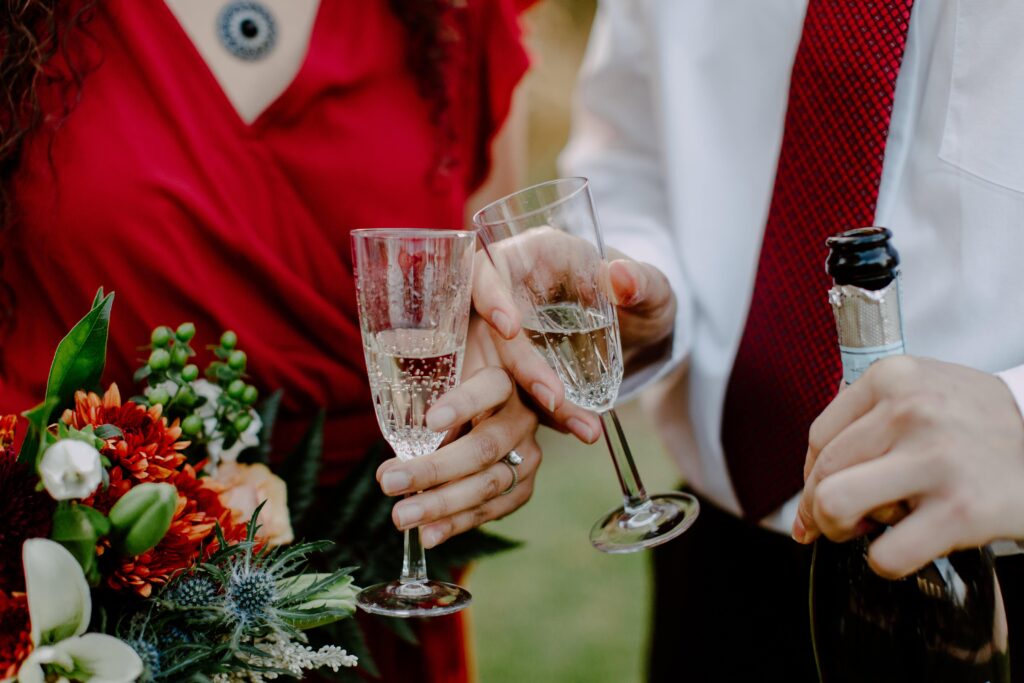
556	609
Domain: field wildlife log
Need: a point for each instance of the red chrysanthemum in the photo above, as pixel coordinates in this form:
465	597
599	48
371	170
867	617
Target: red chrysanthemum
199	511
15	634
150	451
24	512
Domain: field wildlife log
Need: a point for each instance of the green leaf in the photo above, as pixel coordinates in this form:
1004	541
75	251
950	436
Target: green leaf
108	431
73	528
81	355
38	420
268	411
301	469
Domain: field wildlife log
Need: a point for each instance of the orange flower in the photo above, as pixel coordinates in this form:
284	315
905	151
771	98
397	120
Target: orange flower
150	450
15	634
192	531
245	488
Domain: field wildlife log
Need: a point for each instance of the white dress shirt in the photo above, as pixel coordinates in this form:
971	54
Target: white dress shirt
679	124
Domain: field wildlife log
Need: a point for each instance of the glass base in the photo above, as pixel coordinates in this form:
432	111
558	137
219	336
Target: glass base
660	519
413	599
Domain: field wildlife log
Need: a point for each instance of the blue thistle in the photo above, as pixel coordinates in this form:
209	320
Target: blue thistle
150	656
194	591
251	593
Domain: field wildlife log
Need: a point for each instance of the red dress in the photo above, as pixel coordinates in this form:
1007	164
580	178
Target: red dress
159	191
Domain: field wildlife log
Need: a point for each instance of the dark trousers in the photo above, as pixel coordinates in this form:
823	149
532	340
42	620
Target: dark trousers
730	605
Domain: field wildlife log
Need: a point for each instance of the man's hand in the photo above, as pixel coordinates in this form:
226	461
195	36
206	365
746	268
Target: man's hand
645	301
953	445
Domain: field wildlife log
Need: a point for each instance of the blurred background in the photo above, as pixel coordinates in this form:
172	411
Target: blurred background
556	609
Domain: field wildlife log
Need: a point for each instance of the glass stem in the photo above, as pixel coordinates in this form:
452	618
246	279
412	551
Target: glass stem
633	492
414	562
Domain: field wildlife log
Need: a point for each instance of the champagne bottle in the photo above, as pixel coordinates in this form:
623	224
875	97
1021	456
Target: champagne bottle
946	622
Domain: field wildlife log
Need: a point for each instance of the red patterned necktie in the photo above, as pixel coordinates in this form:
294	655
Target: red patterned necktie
787	367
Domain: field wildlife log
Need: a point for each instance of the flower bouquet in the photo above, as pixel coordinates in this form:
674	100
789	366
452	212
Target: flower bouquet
135	545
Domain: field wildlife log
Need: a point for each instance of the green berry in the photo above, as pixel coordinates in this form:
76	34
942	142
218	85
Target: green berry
159	359
192	425
185	397
161	337
250	395
229	340
179	356
159	396
236	361
185	332
190	373
236	389
242	423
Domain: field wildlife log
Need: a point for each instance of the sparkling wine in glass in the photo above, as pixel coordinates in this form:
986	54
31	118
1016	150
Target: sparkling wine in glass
413	288
545	247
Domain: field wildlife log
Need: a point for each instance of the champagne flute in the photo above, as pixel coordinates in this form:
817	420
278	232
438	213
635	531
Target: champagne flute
413	288
545	246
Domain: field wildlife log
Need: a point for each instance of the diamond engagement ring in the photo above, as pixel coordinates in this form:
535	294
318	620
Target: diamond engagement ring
513	460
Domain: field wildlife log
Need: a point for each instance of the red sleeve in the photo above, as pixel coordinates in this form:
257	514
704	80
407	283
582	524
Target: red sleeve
504	62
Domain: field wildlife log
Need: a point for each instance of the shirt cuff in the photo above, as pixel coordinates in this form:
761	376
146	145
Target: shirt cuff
1014	379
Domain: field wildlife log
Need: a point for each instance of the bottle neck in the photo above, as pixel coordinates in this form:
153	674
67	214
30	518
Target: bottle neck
869	326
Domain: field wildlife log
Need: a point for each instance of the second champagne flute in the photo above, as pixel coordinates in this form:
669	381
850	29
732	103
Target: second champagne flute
546	248
413	288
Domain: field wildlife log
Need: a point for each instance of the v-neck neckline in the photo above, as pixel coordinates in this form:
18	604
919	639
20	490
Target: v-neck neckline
224	102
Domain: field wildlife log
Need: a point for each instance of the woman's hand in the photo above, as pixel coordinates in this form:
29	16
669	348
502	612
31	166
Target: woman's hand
464	484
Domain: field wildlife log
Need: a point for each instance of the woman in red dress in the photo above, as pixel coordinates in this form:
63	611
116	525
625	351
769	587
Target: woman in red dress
217	181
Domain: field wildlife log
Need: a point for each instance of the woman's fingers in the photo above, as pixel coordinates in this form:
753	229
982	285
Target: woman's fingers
496	508
489	388
491	299
470	493
484	445
531	371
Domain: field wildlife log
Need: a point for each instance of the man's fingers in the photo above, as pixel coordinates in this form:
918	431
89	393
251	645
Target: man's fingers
639	287
912	543
488	388
647	306
847	498
491	298
467	493
870	436
848	406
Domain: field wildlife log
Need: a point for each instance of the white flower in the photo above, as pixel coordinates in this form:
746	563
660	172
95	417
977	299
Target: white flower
208	412
59	607
211	392
247	439
168	385
71	469
281	653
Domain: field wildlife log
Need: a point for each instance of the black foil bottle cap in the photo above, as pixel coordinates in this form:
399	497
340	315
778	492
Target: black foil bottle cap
863	257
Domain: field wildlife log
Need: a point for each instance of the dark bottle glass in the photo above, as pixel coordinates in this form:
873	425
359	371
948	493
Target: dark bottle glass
945	623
